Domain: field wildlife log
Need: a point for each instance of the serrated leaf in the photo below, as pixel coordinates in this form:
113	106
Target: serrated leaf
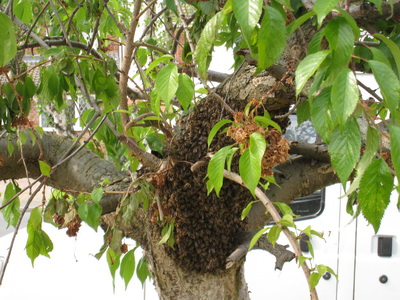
344	149
215	170
395	148
45	168
273	234
303	112
388	83
375	189
167	233
11	212
167	82
314	280
97	194
256	237
185	91
38	242
250	161
271	38
127	267
246	211
323	7
284	208
322	114
142	270
8	41
341	40
393	47
247	13
298	22
90	214
158	61
379	56
307	67
371	148
113	261
351	21
207	38
285	3
267	122
344	95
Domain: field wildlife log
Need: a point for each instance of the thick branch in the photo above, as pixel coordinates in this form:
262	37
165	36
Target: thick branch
298	177
82	172
280	252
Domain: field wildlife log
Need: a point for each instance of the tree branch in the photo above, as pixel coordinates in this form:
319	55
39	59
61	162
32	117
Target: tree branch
276	217
280	252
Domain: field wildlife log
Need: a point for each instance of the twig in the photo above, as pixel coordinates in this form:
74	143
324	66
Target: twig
369	90
276	217
127	60
3	271
36	20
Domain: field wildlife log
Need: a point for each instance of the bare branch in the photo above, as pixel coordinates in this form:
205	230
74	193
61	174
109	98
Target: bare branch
280	252
276	217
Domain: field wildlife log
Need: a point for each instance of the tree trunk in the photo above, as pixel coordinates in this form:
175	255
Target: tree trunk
174	283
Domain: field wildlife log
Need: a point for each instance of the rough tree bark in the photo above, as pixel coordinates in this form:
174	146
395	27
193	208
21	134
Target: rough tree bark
208	228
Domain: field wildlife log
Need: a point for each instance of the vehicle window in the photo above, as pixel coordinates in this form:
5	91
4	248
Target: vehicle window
309	206
312	205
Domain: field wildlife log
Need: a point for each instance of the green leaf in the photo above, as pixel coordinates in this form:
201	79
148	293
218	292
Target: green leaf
11	212
388	83
314	279
247	13
45	169
267	122
344	149
97	194
285	3
171	5
250	161
142	270
113	261
271	38
128	267
298	22
284	208
322	114
256	237
378	4
307	68
351	21
158	61
273	234
167	233
246	211
167	82
215	170
8	41
375	189
90	214
215	129
393	47
323	7
395	148
341	40
185	91
38	242
371	148
208	36
23	11
379	56
303	112
344	95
